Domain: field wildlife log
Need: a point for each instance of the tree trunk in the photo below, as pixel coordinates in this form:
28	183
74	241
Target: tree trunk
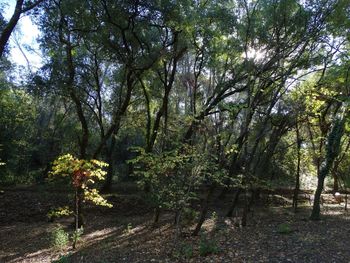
346	202
297	177
315	215
6	33
204	211
156	216
333	148
234	203
79	220
245	209
109	178
336	182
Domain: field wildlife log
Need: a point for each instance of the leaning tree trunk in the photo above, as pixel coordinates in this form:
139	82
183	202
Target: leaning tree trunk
204	211
333	148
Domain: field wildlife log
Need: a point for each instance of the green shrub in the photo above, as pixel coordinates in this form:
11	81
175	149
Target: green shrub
187	251
128	229
189	215
207	246
59	238
62	259
76	236
184	251
284	228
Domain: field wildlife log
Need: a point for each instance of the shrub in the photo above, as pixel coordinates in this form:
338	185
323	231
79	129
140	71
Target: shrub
62	259
184	251
59	238
128	229
77	235
284	228
207	246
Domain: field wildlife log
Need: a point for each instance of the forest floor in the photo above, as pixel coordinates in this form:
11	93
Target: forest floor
124	233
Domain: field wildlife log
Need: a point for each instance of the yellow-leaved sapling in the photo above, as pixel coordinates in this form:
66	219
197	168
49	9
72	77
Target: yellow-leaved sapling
82	174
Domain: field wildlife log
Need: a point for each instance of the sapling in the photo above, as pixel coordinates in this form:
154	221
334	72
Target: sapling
82	174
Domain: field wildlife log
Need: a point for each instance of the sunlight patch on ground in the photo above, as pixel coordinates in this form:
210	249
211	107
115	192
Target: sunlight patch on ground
100	234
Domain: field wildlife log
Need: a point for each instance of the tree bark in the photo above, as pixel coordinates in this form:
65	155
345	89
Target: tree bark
204	211
333	148
245	209
110	160
10	26
234	203
297	177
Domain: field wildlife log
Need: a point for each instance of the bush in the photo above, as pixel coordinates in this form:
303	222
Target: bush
59	238
284	228
207	246
63	259
189	215
185	251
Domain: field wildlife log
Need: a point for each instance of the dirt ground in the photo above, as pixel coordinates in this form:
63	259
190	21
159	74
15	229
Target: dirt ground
124	233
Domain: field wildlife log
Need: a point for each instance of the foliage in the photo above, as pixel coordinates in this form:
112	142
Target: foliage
59	238
284	228
82	175
174	176
185	251
207	246
76	236
63	259
17	117
128	229
58	212
189	215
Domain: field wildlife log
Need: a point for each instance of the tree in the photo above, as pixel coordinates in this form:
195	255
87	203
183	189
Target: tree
21	8
82	175
332	151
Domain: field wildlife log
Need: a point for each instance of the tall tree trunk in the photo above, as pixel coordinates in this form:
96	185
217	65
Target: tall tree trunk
297	177
110	160
333	148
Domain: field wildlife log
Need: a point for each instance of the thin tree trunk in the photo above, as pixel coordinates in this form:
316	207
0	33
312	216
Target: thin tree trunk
204	211
315	215
156	216
234	203
76	223
335	182
245	209
346	201
297	178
